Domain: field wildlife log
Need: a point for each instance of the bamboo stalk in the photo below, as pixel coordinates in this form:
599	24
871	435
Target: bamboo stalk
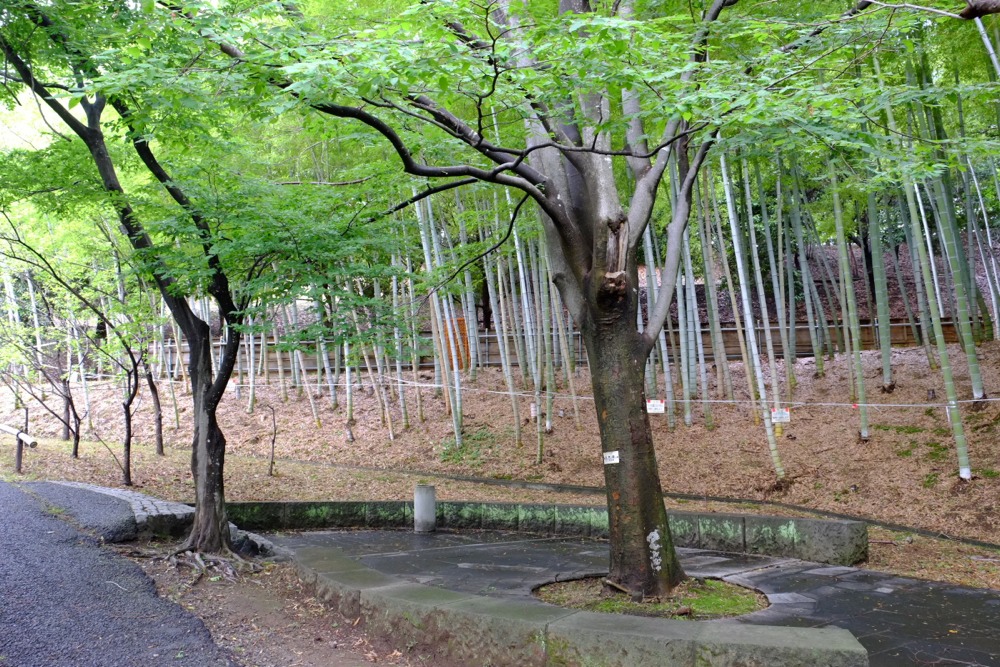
852	307
751	334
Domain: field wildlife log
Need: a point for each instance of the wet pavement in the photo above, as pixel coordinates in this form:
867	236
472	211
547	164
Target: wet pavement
900	621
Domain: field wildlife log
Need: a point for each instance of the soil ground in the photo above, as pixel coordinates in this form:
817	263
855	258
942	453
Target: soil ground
905	473
267	618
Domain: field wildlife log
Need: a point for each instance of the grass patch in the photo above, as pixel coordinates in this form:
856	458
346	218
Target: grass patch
898	428
938	452
987	473
471	449
695	599
930	480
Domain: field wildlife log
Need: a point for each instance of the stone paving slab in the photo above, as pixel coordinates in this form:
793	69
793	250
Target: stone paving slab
897	619
500	622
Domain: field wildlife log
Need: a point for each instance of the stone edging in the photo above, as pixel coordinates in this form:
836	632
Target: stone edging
834	542
493	631
152	515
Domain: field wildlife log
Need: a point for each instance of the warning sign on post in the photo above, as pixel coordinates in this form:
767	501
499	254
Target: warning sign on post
781	416
655	407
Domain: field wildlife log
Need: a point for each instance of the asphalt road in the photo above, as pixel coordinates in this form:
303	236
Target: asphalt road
67	602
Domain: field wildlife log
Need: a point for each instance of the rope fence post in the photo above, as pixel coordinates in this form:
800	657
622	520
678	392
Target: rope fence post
20	439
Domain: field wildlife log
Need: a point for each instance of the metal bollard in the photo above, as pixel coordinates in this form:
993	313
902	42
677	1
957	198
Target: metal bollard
424	509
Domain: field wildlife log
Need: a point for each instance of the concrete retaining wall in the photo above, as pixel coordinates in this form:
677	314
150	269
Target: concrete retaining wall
835	542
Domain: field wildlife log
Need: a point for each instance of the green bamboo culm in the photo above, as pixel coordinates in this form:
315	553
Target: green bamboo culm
881	295
852	305
754	349
951	409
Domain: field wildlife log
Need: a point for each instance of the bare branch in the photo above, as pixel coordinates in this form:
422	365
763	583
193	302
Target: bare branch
356	181
931	10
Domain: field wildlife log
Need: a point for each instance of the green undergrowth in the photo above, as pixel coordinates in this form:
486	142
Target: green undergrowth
471	450
695	599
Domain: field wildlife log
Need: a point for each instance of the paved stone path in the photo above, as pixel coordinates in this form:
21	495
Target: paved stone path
900	621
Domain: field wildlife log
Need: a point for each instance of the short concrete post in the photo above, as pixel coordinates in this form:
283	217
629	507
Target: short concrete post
424	509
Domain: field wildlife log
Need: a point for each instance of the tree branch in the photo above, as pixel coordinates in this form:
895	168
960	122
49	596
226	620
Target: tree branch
976	9
38	89
675	234
356	181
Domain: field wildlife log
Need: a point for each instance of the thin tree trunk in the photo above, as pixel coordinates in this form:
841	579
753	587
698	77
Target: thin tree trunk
725	380
348	395
397	337
953	254
740	329
251	369
494	281
154	395
761	296
811	319
776	285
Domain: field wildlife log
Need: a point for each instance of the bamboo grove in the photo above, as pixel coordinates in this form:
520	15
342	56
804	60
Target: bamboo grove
837	176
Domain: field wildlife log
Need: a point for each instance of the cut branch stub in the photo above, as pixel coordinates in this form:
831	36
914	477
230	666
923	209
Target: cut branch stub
617	253
611	294
978	8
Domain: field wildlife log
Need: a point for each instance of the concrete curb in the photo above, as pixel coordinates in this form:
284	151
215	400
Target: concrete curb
832	542
152	515
491	631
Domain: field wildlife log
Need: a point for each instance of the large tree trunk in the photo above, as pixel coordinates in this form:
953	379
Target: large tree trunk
643	559
209	531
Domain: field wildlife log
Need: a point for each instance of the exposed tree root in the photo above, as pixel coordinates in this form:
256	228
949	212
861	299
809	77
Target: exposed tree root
228	566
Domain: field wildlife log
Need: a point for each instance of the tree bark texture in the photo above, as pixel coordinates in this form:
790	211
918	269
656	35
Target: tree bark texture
209	531
643	559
